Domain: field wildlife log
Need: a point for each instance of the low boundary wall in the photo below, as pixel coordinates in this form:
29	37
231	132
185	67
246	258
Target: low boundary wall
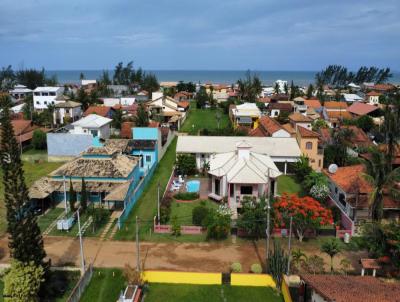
252	280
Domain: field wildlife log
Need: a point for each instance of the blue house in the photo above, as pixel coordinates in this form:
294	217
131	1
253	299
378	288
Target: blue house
145	144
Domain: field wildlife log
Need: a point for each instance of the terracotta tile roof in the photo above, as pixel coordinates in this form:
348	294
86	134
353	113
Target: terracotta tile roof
370	264
288	127
154	124
383	87
358	108
184	104
374	93
126	129
359	137
264	100
281	106
99	110
339	114
21	126
335	105
299	118
304	132
267	126
325	135
350	179
341	288
313	103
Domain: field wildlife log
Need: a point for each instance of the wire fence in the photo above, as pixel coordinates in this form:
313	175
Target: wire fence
79	288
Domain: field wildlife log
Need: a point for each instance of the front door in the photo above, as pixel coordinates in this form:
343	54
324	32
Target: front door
216	186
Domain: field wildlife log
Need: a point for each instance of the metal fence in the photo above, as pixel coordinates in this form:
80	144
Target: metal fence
81	285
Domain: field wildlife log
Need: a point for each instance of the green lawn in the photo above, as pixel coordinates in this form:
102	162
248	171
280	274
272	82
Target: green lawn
209	293
106	285
146	206
32	155
1	290
45	220
184	210
288	184
33	171
203	119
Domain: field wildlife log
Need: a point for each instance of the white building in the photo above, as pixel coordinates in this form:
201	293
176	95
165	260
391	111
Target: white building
93	124
88	82
123	101
20	92
67	112
281	150
351	97
45	96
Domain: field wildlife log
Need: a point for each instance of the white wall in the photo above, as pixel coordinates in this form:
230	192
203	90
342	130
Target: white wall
317	298
281	133
41	101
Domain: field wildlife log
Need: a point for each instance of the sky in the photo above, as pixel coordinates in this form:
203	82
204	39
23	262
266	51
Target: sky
207	34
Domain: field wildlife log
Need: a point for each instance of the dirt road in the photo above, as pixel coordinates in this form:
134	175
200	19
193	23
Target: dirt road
206	257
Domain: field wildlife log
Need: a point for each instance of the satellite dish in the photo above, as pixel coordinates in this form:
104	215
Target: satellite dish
332	168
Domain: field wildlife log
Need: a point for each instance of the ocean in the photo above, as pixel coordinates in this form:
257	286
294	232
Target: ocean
301	78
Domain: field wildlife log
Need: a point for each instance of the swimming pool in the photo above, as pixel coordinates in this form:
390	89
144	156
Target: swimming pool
193	186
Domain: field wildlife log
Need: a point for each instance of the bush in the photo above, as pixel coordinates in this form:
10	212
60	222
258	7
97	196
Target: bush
218	223
186	196
165	209
236	267
176	227
199	214
186	164
256	268
39	140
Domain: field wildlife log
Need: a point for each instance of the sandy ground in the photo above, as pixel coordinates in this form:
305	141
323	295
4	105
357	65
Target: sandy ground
202	257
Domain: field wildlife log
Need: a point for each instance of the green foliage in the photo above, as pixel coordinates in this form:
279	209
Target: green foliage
186	164
236	267
332	248
283	117
186	196
256	268
23	281
142	117
199	215
117	119
39	140
314	265
253	218
277	263
218	223
314	178
249	87
302	168
188	87
298	259
165	208
365	122
150	83
319	124
201	98
175	226
310	91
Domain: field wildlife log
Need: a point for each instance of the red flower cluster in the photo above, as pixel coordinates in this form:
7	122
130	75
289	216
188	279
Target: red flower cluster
305	209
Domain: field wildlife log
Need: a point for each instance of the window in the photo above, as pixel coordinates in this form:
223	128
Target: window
336	190
319	163
37	102
94	132
308	145
52	93
66	110
45	93
246	190
45	102
37	93
148	158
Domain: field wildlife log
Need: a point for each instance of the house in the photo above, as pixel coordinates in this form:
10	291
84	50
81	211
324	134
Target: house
23	131
268	126
313	103
347	288
85	82
383	88
283	151
123	101
335	112
67	112
93	124
275	109
146	145
351	98
182	96
45	96
372	97
297	119
299	105
168	110
359	109
350	192
103	111
308	141
241	173
118	90
245	115
20	92
358	139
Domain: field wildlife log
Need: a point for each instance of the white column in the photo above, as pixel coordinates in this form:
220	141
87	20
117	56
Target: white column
362	272
285	167
374	273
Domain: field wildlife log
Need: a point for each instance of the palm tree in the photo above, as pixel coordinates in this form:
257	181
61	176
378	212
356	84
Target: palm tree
298	257
277	88
391	127
332	248
382	181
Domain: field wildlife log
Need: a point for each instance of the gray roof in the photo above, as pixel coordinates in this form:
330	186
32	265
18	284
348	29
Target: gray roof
272	146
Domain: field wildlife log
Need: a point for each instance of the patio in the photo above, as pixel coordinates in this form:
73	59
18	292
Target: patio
204	186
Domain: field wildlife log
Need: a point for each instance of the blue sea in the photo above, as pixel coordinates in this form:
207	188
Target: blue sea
302	78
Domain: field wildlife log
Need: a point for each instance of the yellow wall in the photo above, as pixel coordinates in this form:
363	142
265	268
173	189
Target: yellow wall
182	277
312	154
285	292
252	280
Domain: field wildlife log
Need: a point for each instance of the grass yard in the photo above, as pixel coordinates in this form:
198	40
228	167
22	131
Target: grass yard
184	210
32	155
209	293
288	184
45	220
146	206
1	290
105	286
33	171
203	119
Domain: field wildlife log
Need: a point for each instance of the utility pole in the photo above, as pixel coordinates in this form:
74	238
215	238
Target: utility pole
65	196
268	231
158	203
80	242
289	245
137	246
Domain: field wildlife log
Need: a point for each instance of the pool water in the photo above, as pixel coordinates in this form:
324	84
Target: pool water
193	186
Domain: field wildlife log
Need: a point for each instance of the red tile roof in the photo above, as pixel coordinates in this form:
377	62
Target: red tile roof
184	104
383	87
304	132
126	129
350	179
358	108
99	110
264	100
299	118
359	137
341	288
267	127
335	105
313	103
374	93
280	106
339	114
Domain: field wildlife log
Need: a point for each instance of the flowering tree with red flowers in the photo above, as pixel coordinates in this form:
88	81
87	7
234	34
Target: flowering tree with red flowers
307	213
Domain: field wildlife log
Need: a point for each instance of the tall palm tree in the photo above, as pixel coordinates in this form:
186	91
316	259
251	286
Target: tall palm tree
382	181
391	127
332	248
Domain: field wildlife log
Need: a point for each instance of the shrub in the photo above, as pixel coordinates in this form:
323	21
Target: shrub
39	140
165	209
218	223
186	164
199	214
176	227
236	267
186	196
319	192
256	268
